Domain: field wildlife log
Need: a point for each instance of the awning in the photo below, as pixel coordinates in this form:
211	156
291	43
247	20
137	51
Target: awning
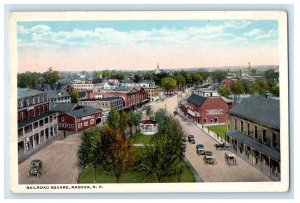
258	146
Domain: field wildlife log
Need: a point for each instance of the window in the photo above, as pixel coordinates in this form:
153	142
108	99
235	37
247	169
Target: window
62	119
255	132
205	120
79	125
248	128
235	124
264	137
242	126
274	143
86	123
92	121
216	119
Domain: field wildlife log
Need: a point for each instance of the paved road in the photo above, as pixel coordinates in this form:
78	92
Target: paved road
59	161
221	172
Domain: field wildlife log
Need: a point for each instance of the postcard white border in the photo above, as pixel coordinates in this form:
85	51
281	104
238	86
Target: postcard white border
281	16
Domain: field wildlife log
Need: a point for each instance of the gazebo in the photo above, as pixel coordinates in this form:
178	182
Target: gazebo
148	127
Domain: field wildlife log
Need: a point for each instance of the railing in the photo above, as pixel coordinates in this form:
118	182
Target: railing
210	133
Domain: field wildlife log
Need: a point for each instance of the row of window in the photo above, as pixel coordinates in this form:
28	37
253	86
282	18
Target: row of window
86	123
66	125
215	120
35	112
248	131
31	101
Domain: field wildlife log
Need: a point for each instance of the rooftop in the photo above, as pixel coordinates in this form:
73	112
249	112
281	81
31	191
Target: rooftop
148	122
25	92
259	109
62	107
196	99
83	111
57	93
102	99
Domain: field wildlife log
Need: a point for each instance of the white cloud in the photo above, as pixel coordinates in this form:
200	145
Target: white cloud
253	32
271	34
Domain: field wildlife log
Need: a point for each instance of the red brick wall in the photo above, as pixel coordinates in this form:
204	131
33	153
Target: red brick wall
71	120
227	83
30	113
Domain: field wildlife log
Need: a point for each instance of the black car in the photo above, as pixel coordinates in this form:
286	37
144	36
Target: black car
191	139
36	168
200	149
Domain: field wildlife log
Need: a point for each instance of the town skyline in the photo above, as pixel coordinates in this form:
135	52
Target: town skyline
140	45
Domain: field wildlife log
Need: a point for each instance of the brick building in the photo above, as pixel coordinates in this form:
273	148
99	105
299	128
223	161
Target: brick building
254	132
227	83
36	123
105	104
152	92
133	97
206	110
79	119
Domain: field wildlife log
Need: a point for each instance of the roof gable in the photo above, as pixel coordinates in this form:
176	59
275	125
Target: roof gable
196	99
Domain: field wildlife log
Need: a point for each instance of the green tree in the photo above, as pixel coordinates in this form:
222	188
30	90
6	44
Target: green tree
149	111
238	87
137	119
137	78
106	73
168	83
188	78
161	116
224	91
96	74
164	153
253	71
180	80
117	152
271	75
88	152
123	122
121	76
197	78
75	96
113	119
218	76
131	119
51	76
29	79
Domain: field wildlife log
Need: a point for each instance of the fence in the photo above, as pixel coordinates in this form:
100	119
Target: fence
210	133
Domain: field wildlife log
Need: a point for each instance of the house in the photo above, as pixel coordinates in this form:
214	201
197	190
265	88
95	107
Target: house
133	97
227	83
36	123
83	86
59	96
105	104
148	127
206	92
152	92
147	83
78	119
254	132
206	110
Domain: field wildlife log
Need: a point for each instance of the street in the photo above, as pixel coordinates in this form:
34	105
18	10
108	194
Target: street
221	172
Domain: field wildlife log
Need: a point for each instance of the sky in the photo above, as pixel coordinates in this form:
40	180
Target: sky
141	44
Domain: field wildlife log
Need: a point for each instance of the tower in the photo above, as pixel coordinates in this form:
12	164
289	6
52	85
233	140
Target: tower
157	67
249	68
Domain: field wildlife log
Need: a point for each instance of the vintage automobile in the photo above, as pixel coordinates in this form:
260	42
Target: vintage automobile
191	139
36	168
230	159
200	149
222	146
209	158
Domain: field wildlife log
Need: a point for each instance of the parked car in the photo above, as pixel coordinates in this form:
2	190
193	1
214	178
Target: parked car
222	146
36	168
209	158
191	139
230	159
200	149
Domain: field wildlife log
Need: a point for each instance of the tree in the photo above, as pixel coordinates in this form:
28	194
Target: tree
75	96
117	153
131	119
137	119
180	80
168	83
219	76
253	71
106	73
121	76
88	152
113	119
238	87
29	79
137	78
96	74
51	76
161	117
188	78
149	111
271	75
164	153
123	122
197	78
224	91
